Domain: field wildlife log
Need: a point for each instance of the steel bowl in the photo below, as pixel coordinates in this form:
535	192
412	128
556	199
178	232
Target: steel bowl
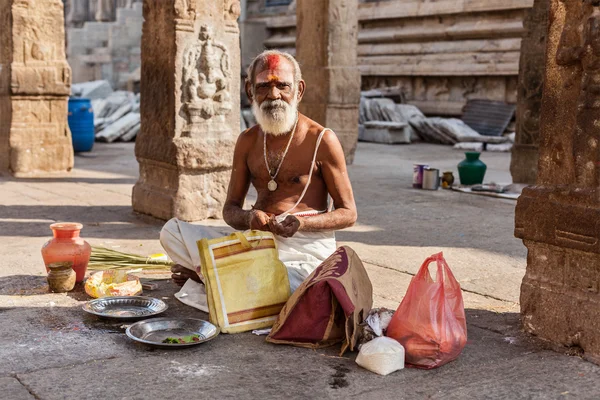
153	331
125	308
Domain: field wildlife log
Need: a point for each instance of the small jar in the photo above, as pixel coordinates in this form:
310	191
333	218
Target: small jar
67	245
447	179
61	277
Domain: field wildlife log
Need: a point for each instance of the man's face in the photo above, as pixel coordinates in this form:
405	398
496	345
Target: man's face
274	79
274	95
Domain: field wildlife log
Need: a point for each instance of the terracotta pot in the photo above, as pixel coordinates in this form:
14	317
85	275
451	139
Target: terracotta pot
67	246
61	277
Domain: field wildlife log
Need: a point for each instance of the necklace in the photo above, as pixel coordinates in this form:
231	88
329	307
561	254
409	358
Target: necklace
272	185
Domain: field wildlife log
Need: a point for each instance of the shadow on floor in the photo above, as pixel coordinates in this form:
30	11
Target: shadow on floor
23	285
128	180
106	222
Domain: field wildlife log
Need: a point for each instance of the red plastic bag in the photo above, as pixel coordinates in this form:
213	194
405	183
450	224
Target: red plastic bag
430	322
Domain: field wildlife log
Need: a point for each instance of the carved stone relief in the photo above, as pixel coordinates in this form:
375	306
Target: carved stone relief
232	11
38	65
441	89
185	15
580	46
36	82
206	75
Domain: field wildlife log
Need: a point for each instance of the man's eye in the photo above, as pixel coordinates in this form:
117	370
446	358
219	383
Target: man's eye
282	86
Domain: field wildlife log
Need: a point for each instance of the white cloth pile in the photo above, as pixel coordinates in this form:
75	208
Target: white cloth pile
379	111
116	113
301	254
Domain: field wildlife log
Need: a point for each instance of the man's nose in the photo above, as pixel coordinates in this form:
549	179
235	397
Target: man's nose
274	93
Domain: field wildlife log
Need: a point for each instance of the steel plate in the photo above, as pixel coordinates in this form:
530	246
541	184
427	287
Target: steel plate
153	331
125	307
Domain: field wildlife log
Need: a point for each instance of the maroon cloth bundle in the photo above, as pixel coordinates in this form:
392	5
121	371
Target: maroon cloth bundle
329	305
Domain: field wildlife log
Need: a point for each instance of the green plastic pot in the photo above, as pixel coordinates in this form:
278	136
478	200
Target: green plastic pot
471	170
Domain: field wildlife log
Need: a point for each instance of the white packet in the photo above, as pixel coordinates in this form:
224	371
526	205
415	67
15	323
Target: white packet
382	355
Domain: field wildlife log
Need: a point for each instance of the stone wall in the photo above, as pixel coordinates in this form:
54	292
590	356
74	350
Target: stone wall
108	50
438	54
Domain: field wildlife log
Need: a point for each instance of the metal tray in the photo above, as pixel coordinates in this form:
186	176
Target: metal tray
153	331
125	308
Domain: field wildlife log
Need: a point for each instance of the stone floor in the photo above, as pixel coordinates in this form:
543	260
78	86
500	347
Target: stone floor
51	350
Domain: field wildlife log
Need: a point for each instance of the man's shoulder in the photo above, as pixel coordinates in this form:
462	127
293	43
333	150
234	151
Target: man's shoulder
249	136
251	132
314	129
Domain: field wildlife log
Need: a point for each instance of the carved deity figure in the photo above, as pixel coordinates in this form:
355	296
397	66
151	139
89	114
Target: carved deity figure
580	45
185	9
205	78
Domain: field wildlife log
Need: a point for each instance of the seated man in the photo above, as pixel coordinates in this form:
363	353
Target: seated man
294	164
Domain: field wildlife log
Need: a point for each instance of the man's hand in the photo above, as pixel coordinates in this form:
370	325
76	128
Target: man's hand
258	220
181	274
287	228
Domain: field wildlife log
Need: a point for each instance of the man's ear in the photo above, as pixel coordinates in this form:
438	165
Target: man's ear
248	88
301	87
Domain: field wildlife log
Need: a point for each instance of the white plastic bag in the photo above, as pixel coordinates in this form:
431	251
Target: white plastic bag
379	320
382	355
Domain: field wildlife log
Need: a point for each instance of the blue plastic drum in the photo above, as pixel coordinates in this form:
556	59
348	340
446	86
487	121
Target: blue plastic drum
81	123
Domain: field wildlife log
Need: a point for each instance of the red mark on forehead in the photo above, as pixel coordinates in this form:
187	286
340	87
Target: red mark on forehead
273	61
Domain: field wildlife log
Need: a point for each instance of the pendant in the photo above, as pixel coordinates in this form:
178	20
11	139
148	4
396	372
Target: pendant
272	185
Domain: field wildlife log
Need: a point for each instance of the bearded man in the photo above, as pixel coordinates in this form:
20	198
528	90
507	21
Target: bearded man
294	164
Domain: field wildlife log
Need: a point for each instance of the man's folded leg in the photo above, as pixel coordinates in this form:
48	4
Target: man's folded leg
178	239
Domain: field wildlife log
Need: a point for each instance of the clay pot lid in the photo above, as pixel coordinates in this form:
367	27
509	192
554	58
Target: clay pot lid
67	226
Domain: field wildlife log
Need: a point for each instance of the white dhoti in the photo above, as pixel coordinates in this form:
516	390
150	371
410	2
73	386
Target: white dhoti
301	254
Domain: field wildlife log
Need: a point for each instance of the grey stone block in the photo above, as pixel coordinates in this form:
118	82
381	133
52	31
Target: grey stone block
385	132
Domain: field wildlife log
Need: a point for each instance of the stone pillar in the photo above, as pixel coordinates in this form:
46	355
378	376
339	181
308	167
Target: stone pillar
523	165
92	8
105	10
326	48
190	107
559	219
35	82
78	12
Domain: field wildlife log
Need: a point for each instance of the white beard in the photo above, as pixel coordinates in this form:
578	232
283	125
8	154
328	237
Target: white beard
278	120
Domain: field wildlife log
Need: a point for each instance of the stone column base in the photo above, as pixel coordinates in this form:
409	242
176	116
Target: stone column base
164	192
559	297
560	294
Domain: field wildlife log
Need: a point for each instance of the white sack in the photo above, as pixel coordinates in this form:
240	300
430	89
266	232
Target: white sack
382	355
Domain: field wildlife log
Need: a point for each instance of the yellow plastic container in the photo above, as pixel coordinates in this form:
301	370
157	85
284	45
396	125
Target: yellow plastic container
246	283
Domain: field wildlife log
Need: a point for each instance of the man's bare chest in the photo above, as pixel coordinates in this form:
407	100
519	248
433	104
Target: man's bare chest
292	169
